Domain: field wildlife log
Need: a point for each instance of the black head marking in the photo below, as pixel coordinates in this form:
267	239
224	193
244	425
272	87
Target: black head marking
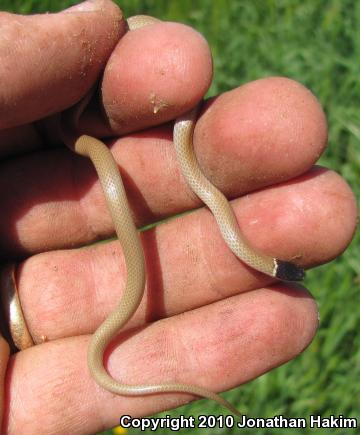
289	271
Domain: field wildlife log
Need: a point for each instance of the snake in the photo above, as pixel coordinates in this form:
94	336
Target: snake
128	236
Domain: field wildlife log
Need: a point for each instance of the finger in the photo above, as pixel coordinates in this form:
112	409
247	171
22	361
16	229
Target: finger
272	130
176	62
4	357
154	74
19	139
234	340
54	59
187	262
59	201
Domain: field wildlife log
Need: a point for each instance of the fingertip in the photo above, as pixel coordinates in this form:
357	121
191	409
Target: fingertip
154	74
89	6
266	131
296	307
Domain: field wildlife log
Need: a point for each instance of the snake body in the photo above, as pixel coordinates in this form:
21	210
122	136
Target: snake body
117	203
128	236
220	207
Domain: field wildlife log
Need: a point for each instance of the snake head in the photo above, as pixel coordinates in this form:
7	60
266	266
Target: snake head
289	271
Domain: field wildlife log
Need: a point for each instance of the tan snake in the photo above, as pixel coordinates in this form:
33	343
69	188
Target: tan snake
127	233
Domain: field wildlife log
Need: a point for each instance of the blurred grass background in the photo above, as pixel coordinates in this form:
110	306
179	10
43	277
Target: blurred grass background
317	43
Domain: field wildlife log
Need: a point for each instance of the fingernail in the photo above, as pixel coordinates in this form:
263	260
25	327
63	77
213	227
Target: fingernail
86	6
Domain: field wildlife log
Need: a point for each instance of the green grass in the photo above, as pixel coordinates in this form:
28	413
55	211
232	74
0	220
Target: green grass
317	43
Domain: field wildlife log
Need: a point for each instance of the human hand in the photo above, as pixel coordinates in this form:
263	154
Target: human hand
235	318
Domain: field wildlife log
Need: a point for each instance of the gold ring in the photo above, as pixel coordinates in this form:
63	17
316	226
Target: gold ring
14	316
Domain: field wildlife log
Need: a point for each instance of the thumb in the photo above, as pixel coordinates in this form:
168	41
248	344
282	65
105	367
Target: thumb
48	62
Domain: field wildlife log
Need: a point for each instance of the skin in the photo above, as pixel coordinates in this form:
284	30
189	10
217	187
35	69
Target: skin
198	296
